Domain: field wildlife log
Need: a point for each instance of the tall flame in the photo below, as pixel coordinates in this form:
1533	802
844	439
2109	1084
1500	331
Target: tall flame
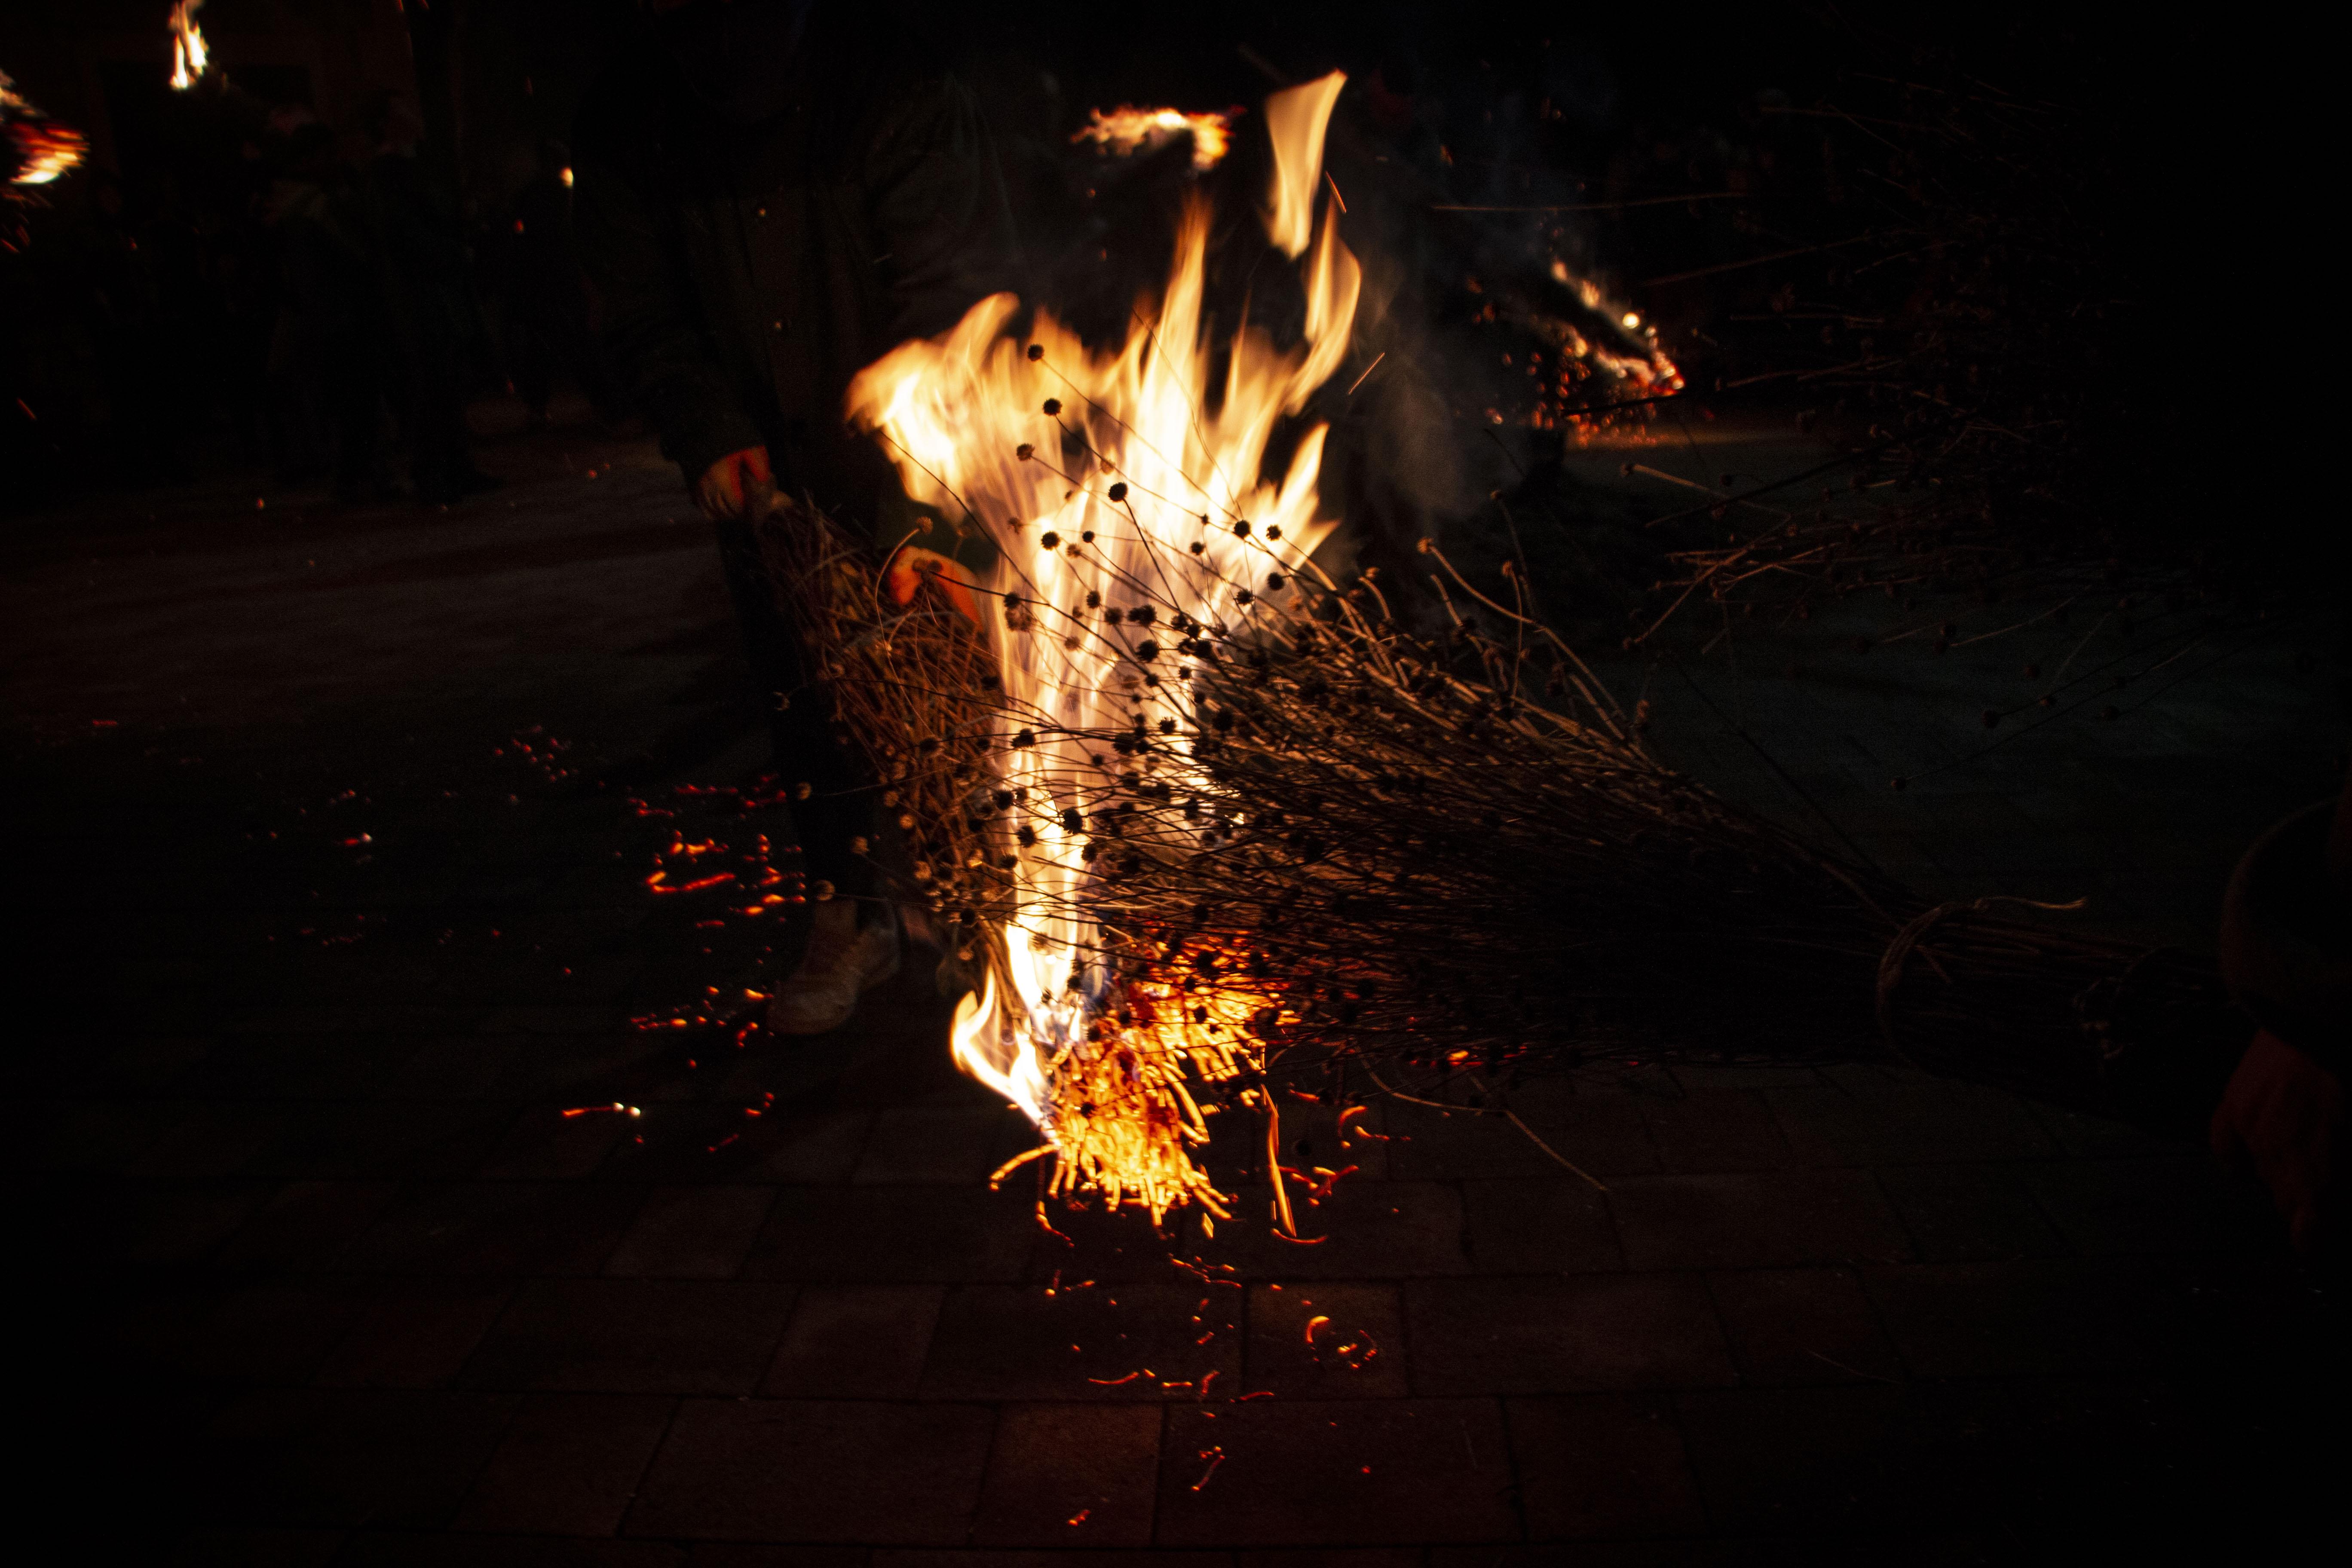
1101	476
188	51
1295	120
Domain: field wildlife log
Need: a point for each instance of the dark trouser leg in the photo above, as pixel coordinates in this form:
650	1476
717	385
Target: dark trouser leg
569	343
354	381
528	359
840	806
437	434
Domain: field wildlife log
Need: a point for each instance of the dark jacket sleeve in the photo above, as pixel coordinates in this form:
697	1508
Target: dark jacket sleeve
935	198
654	333
936	211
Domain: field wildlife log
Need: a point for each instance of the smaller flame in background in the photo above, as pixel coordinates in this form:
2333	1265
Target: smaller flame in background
42	148
33	149
1634	359
1124	130
188	51
1589	352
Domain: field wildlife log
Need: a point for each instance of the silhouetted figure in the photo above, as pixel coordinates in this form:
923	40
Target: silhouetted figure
770	196
429	315
2286	951
547	313
329	367
129	334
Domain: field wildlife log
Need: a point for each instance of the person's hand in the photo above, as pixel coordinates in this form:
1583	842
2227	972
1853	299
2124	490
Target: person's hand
2281	1117
910	566
729	485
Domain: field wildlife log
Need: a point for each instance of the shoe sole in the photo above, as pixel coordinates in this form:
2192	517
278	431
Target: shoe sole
876	979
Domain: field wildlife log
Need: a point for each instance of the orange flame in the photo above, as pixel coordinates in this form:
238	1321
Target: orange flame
188	51
1092	471
44	148
1295	119
1123	130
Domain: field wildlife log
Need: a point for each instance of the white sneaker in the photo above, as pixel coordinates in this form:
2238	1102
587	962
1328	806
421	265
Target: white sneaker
844	959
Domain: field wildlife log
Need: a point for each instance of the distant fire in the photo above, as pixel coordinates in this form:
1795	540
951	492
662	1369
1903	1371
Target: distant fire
1633	357
1123	130
40	147
1588	353
188	51
1123	488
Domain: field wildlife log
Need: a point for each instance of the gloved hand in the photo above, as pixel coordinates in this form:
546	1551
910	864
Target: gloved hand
910	566
733	483
2281	1117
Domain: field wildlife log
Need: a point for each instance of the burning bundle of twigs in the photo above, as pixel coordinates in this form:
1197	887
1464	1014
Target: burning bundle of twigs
1352	860
1208	828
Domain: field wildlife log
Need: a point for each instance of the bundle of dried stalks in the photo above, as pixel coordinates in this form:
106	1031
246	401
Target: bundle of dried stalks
1368	860
1963	313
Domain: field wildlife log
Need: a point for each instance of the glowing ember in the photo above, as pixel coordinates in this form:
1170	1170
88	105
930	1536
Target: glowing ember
43	148
1616	350
1123	130
1120	486
188	51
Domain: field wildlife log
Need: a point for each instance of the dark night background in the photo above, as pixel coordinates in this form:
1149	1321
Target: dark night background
326	923
1620	104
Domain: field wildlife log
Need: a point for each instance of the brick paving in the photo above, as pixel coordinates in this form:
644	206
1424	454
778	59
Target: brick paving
318	1272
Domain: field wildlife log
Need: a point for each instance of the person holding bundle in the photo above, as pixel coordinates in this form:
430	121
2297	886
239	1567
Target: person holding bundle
770	194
